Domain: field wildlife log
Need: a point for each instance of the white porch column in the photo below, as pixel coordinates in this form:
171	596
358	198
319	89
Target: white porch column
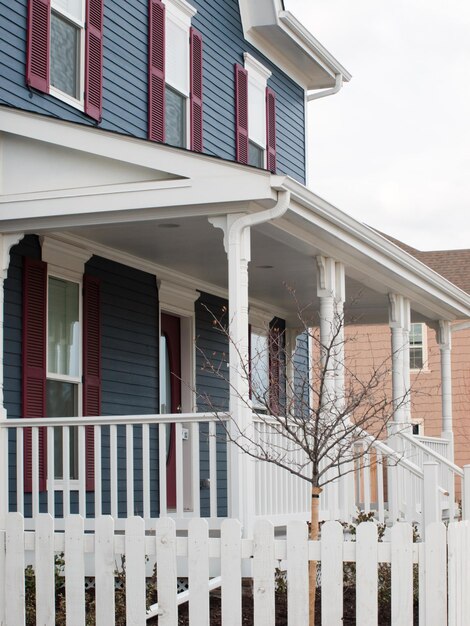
6	243
242	475
326	290
340	297
399	320
444	338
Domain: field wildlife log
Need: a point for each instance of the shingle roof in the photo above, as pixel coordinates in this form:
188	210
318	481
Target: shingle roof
451	264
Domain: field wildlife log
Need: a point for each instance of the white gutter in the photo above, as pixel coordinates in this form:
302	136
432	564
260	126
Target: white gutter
316	95
254	219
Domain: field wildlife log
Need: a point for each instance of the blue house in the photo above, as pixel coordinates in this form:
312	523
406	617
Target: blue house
153	193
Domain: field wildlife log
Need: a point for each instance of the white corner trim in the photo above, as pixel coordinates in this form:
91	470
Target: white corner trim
255	67
176	298
7	242
61	255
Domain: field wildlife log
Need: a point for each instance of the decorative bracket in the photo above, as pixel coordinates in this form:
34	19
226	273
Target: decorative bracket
444	335
326	277
7	243
224	222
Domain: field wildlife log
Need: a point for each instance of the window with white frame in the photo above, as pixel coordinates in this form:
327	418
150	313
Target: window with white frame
417	346
257	82
67	49
177	29
63	364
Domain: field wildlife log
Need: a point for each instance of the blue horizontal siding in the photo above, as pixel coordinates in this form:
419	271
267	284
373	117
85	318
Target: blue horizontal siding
125	77
212	390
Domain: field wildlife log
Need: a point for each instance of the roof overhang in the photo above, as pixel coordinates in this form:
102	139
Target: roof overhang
143	183
271	29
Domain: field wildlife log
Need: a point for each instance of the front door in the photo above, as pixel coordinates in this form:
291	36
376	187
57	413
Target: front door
170	392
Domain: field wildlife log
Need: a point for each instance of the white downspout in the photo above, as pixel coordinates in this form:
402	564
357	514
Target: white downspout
242	493
315	95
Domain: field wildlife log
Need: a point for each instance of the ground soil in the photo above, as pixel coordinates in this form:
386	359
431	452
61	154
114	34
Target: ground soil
349	602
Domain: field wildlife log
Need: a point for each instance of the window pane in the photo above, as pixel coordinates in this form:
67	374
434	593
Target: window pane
62	401
64	55
416	334
416	358
175	123
259	370
63	327
255	155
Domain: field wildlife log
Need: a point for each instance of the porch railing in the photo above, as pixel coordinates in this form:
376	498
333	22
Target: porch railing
130	473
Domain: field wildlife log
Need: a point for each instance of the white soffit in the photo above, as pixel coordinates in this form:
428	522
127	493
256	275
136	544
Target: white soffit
284	40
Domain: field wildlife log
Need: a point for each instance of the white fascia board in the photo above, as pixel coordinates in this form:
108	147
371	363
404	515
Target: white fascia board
177	162
204	196
312	45
359	246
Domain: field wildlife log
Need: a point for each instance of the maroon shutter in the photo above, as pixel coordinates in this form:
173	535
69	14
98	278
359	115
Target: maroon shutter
156	63
37	55
271	130
94	59
196	90
34	362
241	113
91	366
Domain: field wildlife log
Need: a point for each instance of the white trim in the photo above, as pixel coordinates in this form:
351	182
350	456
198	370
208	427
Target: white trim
176	298
255	67
259	319
73	102
61	256
180	9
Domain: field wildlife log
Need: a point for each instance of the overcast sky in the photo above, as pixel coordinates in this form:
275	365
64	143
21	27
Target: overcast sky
393	147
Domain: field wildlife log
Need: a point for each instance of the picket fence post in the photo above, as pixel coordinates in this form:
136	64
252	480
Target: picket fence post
104	571
45	570
332	573
297	570
14	565
366	574
263	573
74	570
436	574
165	538
135	572
198	571
430	495
231	572
402	574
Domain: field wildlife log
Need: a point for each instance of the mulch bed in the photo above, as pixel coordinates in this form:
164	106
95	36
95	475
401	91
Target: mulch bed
349	603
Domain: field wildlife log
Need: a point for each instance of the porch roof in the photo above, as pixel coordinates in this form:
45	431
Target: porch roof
141	203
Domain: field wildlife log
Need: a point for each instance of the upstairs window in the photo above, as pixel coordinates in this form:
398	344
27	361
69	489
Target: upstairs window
64	51
175	75
255	115
67	48
417	346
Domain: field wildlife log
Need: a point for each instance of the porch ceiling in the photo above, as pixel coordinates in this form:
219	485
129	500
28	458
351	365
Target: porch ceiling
193	248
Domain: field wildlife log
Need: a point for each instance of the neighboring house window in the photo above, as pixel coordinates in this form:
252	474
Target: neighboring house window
255	115
175	75
417	346
65	52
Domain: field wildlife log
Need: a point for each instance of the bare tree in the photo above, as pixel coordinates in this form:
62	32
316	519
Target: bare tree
328	415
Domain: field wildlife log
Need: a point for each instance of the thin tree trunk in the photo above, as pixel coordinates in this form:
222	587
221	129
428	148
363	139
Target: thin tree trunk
312	567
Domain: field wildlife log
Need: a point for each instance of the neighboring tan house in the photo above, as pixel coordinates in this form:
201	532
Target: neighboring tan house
425	359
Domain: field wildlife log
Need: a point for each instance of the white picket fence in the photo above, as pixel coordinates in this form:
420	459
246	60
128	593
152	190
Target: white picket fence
444	575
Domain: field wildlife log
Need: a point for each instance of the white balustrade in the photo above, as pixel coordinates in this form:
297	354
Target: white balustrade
131	475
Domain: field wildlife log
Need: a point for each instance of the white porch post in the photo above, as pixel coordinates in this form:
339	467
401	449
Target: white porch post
444	337
242	469
330	354
6	243
399	321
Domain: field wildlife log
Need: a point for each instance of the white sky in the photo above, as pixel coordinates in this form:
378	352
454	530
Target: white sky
393	147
